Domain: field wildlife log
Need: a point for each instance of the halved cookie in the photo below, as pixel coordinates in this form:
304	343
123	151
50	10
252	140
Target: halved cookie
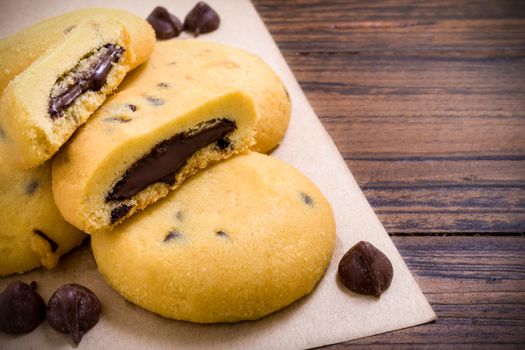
141	144
42	106
205	63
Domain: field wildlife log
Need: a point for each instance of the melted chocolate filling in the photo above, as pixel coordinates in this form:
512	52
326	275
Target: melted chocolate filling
168	157
92	79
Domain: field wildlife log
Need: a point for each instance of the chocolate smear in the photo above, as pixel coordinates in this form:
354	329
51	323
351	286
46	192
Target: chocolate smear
168	157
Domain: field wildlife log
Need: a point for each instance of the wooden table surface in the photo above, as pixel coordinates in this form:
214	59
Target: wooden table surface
426	102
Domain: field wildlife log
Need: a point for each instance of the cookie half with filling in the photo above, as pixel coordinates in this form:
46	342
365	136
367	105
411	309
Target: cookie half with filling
238	241
207	63
143	143
33	233
42	106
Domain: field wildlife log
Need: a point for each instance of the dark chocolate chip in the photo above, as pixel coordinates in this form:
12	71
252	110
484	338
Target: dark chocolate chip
21	308
120	119
73	309
168	157
365	269
119	212
223	143
201	19
165	24
93	79
31	187
309	201
154	101
221	234
179	215
163	85
172	235
132	107
53	244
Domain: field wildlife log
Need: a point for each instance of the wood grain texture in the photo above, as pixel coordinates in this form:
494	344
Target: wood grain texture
426	102
476	286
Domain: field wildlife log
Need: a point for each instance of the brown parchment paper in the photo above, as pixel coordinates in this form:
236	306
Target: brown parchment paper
329	315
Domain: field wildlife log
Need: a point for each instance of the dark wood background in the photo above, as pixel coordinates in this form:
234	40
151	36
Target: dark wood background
426	102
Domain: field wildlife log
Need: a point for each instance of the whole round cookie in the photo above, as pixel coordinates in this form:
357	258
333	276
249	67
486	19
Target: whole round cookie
241	239
204	63
33	232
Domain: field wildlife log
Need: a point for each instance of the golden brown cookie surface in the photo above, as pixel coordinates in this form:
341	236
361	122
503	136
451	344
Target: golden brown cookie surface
237	241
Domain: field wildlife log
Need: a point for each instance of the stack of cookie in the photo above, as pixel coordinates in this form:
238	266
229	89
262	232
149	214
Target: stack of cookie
188	217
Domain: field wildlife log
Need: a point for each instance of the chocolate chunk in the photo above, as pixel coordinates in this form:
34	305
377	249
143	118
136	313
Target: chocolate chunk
165	24
163	85
223	143
221	234
179	215
154	101
53	244
91	79
119	212
201	19
168	157
172	235
307	199
132	107
21	308
73	309
365	269
31	187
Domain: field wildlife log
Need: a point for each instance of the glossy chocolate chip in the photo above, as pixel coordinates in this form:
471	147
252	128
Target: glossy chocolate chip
21	308
165	24
365	269
52	243
201	19
119	212
73	309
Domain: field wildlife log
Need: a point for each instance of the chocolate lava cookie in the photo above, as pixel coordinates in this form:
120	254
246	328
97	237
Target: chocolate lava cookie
32	232
55	93
199	62
144	142
241	239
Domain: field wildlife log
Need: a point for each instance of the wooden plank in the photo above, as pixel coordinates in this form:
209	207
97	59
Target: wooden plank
417	106
476	286
357	26
443	139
